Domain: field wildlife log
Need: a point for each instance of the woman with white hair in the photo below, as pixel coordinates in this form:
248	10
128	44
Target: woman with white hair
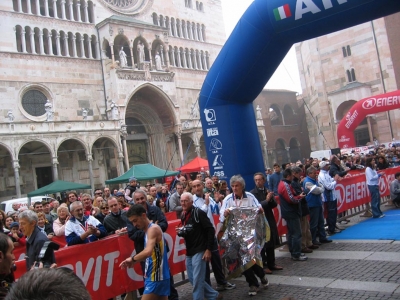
59	223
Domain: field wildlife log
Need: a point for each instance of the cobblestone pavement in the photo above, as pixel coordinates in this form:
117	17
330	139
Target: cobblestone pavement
340	270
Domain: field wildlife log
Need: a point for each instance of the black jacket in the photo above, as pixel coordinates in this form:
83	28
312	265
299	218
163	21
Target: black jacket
201	237
137	236
269	214
298	188
335	169
33	246
114	222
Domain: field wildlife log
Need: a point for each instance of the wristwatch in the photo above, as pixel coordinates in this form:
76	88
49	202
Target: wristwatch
133	259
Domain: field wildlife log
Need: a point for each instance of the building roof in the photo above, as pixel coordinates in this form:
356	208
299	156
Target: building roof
349	86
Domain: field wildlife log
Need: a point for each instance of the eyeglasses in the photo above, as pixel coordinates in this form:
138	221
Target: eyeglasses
141	198
112	205
98	193
104	207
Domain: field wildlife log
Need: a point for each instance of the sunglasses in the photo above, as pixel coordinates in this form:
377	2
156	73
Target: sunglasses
141	198
98	193
104	207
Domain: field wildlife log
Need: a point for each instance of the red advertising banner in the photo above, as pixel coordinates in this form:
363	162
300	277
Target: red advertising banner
97	264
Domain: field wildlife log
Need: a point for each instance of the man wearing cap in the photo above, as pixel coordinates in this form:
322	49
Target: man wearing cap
329	184
130	189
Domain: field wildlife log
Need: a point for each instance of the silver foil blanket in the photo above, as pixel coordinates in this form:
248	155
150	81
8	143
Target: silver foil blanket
246	232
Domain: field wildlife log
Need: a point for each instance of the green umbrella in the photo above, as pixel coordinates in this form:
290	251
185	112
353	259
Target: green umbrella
58	186
142	172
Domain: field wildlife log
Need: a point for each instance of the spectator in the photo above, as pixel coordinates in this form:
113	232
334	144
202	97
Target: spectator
48	284
54	206
98	201
44	225
87	204
72	197
268	203
240	198
153	193
204	201
382	163
35	239
157	274
81	229
116	221
104	211
199	243
38	207
16	235
216	183
59	223
107	193
183	181
7	224
161	205
6	265
329	185
174	201
372	178
275	178
122	203
395	190
2	220
209	188
46	211
130	189
291	212
313	189
306	240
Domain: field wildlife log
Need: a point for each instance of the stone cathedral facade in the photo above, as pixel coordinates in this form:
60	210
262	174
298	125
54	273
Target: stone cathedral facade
91	87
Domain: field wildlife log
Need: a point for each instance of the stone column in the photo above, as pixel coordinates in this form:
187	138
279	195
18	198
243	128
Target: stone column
66	45
186	31
23	42
16	177
173	57
169	27
71	10
58	46
201	34
50	43
85	8
112	52
78	11
37	5
198	61
20	6
73	45
179	58
96	51
162	55
288	154
28	6
32	39
81	40
46	9
176	33
125	153
90	47
179	28
191	31
266	161
196	37
55	168
179	136
132	59
184	58
41	48
89	158
189	60
55	9
207	60
194	60
121	163
63	15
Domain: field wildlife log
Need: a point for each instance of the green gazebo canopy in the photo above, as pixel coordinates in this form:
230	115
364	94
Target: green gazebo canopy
142	172
58	186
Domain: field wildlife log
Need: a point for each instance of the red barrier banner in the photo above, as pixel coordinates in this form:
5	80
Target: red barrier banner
97	263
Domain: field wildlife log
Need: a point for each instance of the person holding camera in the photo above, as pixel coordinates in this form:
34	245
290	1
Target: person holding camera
198	233
35	239
291	212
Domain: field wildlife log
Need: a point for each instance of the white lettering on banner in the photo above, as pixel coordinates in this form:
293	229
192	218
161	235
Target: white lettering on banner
210	115
85	274
132	273
344	139
351	192
110	258
212	131
306	6
380	102
179	246
351	118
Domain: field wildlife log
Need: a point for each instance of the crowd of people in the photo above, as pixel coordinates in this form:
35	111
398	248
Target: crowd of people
304	192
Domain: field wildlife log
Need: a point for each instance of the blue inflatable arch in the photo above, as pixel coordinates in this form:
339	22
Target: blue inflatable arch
247	61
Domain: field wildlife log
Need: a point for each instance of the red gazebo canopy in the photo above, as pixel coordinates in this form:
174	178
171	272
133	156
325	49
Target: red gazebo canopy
195	165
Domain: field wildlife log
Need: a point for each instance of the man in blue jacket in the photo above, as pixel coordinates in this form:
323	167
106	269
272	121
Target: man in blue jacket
314	190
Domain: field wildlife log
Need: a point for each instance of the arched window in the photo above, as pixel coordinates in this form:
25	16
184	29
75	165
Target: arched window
28	40
33	102
353	75
348	50
54	38
348	76
344	51
201	7
18	38
155	19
